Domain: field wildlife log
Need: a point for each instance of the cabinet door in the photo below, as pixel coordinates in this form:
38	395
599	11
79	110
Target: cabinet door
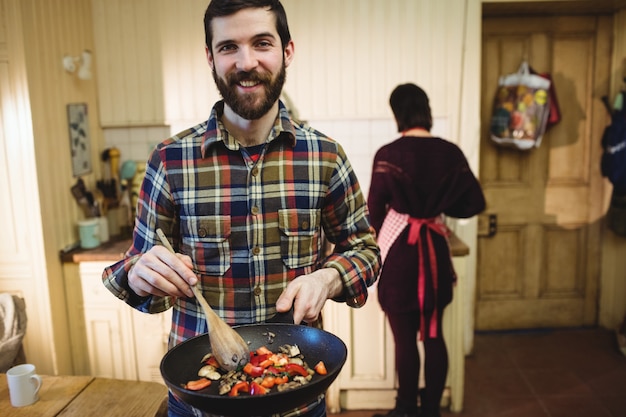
108	326
367	380
122	342
151	332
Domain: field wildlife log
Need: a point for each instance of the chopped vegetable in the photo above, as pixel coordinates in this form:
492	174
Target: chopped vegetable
239	386
263	351
295	369
253	371
257	389
198	384
320	368
265	371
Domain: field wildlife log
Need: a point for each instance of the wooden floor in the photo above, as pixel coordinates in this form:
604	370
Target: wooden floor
547	373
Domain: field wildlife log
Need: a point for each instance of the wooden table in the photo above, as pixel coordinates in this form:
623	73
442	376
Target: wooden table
81	396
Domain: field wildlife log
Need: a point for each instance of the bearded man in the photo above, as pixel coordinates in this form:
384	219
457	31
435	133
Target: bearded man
247	199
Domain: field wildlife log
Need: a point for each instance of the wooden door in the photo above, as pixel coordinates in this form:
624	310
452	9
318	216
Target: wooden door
541	266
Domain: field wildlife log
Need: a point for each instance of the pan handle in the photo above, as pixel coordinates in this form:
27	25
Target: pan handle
286	317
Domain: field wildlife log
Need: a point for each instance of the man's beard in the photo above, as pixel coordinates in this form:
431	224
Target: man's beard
245	105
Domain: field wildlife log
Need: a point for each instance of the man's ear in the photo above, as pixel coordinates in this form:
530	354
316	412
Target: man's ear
209	58
288	53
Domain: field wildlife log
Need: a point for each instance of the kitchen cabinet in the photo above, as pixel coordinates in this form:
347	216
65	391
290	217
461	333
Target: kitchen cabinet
128	66
120	342
123	343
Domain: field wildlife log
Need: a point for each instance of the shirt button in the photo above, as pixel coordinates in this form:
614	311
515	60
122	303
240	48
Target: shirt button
256	250
255	210
202	232
257	290
255	171
305	225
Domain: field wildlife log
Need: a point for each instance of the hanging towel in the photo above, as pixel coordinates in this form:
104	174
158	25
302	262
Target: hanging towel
12	329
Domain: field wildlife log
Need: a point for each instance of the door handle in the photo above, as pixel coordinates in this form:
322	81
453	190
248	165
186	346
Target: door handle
487	225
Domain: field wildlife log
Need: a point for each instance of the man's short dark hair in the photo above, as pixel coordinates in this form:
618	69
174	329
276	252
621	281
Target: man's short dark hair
220	8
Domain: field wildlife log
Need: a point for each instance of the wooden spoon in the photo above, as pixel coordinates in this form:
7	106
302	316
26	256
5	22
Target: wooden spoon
228	347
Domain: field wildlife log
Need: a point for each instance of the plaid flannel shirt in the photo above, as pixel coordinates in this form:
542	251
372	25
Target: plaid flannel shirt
249	227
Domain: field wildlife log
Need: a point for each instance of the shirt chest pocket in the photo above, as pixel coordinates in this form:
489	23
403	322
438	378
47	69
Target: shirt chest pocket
206	240
300	237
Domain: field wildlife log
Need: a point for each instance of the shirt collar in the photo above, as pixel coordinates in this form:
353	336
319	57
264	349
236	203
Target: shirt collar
216	132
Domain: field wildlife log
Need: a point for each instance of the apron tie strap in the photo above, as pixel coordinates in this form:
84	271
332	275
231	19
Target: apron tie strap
436	225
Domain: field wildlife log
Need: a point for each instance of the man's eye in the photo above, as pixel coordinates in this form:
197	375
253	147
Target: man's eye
227	48
264	44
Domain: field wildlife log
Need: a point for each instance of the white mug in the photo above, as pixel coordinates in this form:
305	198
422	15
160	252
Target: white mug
24	385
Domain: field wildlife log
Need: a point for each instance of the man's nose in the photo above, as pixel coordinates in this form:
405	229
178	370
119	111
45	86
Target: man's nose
246	60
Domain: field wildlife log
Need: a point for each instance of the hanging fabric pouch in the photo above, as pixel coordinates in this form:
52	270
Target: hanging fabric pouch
520	109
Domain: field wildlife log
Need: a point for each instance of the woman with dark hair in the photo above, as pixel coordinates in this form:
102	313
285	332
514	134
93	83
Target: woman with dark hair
416	181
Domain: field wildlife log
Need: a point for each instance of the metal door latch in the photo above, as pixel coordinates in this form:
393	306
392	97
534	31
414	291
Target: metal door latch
487	225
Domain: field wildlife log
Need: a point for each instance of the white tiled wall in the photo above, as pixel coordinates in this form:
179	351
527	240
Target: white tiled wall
135	143
360	138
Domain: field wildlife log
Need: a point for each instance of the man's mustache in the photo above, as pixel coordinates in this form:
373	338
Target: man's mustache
248	76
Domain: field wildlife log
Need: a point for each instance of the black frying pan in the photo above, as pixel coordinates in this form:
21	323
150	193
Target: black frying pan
181	364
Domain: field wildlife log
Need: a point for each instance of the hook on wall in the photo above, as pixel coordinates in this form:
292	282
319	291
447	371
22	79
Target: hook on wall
82	62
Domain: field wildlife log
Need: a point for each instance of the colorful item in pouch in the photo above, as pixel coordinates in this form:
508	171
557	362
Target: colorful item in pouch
520	109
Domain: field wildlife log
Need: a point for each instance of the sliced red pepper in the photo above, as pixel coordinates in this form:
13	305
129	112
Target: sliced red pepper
295	369
257	359
198	384
275	371
242	386
253	371
257	389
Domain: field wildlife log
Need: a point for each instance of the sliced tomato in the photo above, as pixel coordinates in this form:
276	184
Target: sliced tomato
198	384
257	389
320	368
241	386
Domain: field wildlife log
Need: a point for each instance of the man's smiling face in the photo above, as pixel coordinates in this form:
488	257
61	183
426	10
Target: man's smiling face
248	61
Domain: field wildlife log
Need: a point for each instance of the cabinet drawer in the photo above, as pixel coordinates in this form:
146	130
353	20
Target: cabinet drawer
94	291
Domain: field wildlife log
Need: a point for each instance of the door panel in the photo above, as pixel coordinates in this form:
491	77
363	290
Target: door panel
541	267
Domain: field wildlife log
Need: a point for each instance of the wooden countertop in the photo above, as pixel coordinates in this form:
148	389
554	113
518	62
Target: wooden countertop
113	251
457	246
80	396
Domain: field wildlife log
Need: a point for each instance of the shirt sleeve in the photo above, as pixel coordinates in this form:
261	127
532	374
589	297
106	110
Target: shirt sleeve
346	223
154	210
